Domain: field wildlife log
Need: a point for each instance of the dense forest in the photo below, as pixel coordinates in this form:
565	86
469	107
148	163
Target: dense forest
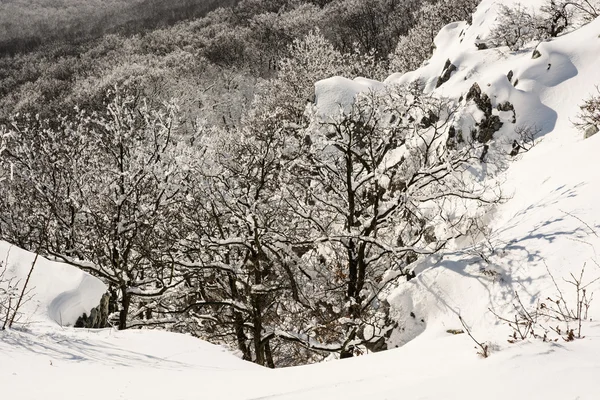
27	24
173	150
213	63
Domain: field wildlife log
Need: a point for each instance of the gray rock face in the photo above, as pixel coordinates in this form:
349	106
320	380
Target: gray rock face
452	138
590	131
506	107
510	75
449	69
487	127
98	317
490	123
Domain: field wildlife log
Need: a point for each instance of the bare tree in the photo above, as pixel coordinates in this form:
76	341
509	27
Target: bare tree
588	119
238	245
372	184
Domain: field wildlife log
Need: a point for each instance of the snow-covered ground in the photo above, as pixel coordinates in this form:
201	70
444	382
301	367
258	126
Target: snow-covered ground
551	221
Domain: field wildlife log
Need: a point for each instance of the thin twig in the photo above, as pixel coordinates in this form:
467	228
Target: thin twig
23	290
484	348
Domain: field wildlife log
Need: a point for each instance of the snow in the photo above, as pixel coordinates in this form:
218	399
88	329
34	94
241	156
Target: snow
60	293
336	94
550	220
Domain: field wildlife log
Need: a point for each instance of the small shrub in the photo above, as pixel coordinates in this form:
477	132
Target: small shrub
484	348
554	314
525	140
589	115
13	295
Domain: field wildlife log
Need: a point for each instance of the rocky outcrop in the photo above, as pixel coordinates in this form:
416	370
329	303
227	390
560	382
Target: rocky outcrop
98	317
490	123
590	131
508	107
447	72
453	139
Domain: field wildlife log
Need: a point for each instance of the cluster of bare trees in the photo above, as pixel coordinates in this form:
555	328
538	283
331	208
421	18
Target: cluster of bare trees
276	232
276	237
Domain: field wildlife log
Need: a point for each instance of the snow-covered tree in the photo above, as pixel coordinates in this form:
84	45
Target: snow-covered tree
412	50
310	59
237	249
515	27
375	185
417	45
97	190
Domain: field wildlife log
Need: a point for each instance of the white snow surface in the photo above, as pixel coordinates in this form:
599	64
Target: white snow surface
550	220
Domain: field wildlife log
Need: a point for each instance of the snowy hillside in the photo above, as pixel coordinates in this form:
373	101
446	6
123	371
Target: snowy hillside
540	237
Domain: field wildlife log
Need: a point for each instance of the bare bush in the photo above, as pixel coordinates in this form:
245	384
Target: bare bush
484	348
589	116
13	295
8	294
558	308
554	314
525	140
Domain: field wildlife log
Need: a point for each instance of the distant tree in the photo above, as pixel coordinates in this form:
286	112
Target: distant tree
555	18
412	50
559	16
588	9
372	25
418	43
589	115
310	59
517	25
514	27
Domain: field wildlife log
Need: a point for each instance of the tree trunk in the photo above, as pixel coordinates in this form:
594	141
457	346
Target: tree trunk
269	354
125	302
352	270
258	346
241	336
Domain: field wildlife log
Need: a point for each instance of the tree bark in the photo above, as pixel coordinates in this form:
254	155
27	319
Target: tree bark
125	302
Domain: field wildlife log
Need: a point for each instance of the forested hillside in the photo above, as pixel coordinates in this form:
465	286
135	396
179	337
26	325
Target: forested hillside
27	24
213	64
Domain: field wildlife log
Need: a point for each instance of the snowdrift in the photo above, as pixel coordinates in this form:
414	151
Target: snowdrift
65	362
58	293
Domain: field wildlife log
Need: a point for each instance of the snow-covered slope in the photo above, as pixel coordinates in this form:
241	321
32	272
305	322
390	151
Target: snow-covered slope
550	221
552	215
42	357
